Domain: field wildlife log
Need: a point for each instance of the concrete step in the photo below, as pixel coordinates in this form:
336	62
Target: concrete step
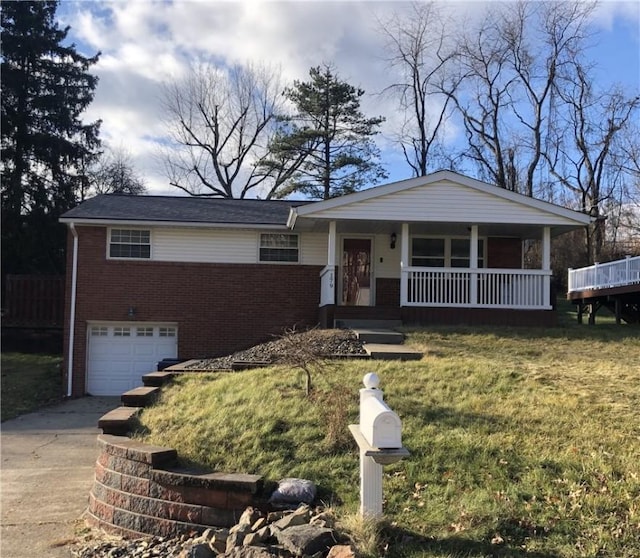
379	351
379	336
140	396
157	379
119	421
367	324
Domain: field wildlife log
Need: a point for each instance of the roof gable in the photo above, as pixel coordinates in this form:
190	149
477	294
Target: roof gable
443	196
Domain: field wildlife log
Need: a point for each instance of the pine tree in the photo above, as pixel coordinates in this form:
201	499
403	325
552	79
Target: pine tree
45	88
329	129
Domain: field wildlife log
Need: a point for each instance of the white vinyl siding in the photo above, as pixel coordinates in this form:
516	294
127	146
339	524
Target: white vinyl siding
227	246
313	248
205	246
443	202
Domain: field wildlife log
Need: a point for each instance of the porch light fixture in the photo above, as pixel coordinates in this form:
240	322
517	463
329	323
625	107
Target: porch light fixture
131	312
393	239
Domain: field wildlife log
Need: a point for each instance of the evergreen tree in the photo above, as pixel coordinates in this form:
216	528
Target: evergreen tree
45	88
332	134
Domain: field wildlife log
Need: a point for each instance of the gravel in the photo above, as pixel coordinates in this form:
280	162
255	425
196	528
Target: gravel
329	343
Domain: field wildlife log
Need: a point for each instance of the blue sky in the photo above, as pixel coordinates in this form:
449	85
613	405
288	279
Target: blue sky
144	43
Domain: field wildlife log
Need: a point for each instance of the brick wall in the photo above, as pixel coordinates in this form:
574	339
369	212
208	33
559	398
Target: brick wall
136	492
219	308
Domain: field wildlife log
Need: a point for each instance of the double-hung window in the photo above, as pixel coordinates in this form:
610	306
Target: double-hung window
130	243
444	252
277	247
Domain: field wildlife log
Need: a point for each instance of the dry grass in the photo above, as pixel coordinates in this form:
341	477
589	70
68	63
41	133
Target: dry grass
524	443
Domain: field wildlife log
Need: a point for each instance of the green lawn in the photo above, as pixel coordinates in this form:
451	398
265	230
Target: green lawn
524	442
29	382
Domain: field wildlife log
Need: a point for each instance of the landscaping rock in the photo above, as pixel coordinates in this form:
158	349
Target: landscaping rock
300	533
322	342
252	552
305	540
197	551
342	551
300	516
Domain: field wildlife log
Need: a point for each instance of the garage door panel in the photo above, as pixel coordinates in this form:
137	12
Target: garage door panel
117	361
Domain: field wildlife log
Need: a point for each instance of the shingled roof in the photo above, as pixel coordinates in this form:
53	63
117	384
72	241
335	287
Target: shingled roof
175	209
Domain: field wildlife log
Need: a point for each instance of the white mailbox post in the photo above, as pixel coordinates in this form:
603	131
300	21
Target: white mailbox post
379	437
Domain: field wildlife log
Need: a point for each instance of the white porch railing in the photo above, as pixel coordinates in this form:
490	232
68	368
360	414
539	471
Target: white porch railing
478	288
606	275
327	285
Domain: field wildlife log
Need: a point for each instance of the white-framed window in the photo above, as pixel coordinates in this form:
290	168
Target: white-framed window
167	332
144	332
130	243
444	252
279	247
99	331
121	332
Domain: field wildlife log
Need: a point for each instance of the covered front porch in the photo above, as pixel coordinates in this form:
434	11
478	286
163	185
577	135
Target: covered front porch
444	248
435	274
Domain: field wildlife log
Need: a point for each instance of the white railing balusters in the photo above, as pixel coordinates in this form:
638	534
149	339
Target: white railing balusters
493	288
606	275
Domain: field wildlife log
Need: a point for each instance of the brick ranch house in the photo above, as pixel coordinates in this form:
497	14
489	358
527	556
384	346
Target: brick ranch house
151	277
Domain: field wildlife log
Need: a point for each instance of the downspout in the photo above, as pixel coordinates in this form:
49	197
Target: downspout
72	310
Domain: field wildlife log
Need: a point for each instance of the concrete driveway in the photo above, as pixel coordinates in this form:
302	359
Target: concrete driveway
46	474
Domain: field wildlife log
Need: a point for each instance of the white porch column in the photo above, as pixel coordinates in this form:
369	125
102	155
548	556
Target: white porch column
546	266
331	248
473	264
404	263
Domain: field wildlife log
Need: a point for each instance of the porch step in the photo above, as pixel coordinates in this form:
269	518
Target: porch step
380	351
387	336
157	379
119	421
367	324
140	396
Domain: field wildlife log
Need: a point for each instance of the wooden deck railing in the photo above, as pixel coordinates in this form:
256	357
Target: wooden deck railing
478	288
606	275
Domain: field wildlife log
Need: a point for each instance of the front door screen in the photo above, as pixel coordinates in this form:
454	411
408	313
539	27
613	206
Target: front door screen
356	272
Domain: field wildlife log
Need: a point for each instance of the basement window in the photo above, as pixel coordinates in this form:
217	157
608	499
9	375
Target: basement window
130	243
279	248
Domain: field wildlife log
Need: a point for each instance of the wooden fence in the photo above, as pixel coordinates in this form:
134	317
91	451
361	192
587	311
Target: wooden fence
34	301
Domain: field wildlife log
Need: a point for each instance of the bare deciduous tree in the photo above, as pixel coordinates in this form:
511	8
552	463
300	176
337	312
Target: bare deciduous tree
511	67
592	156
421	52
113	173
221	121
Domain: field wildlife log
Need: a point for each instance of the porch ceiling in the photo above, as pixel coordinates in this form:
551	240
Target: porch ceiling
524	231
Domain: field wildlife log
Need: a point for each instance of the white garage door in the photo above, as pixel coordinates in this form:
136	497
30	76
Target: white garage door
120	354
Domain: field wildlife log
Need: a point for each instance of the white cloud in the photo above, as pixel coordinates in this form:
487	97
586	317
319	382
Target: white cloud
146	42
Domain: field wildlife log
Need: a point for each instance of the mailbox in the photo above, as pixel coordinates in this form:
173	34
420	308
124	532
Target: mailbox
379	425
379	438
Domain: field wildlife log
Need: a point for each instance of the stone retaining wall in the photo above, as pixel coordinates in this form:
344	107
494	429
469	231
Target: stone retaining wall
139	490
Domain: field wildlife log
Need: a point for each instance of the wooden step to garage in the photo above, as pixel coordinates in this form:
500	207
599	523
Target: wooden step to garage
157	379
140	397
119	421
380	351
